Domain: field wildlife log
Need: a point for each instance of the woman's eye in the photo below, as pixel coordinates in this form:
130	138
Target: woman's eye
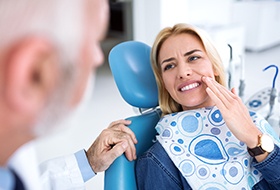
193	58
167	67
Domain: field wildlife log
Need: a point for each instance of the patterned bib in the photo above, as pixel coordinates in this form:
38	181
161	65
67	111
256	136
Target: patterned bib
207	154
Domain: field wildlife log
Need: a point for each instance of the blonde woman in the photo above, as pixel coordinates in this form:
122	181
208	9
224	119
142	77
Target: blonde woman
207	137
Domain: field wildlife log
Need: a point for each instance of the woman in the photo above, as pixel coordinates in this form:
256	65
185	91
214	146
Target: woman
206	129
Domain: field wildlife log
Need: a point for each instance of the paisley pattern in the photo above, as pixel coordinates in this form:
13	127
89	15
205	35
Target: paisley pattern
205	151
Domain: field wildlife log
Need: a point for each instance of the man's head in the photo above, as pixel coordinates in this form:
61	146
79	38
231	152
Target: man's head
48	50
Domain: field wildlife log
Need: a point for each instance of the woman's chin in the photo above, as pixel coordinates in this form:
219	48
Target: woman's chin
197	104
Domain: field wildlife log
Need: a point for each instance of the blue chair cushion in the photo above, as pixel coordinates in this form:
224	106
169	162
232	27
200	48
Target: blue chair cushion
130	65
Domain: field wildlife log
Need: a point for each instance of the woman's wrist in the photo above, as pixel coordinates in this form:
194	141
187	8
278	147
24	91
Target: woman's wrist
252	137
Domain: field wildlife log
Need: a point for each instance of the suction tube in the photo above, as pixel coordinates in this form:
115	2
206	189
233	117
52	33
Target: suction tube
230	70
273	93
241	81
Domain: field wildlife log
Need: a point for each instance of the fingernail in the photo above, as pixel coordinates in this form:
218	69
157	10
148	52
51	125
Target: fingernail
203	78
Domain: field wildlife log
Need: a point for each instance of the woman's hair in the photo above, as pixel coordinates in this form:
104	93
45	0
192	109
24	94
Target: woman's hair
166	102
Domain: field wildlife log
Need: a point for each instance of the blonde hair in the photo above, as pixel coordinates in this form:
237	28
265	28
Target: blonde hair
166	102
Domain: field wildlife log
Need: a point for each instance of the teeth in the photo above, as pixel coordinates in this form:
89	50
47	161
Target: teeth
191	86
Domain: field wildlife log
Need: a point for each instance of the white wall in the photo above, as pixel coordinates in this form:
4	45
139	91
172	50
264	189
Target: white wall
210	13
150	16
262	23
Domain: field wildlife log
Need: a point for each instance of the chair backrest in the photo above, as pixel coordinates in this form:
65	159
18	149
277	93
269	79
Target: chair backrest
130	65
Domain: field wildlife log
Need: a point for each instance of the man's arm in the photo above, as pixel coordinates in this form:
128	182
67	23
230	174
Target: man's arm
75	169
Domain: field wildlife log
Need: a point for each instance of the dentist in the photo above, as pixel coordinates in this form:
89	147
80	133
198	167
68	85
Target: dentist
48	51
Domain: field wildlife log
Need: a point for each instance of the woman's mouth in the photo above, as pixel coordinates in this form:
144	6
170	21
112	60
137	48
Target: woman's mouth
189	87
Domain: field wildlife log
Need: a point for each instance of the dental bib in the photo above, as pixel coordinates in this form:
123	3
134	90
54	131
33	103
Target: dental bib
204	150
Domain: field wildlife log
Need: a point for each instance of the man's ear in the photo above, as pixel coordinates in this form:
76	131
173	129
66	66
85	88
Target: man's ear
31	73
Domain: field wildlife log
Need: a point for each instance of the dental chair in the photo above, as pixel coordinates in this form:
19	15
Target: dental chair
130	66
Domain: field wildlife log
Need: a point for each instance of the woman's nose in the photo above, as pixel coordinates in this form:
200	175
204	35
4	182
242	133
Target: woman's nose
184	71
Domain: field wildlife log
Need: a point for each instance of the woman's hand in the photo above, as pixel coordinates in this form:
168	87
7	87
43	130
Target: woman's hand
234	112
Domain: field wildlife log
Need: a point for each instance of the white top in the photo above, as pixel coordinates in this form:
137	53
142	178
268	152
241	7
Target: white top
57	174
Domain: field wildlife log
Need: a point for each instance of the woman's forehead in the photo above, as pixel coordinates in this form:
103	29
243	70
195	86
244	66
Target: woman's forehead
182	42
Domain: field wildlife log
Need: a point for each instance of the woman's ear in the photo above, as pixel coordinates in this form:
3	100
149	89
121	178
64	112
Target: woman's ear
31	72
217	72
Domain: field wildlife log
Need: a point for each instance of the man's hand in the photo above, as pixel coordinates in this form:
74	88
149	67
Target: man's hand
110	144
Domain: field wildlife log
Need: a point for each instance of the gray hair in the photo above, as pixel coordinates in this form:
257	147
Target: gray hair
59	21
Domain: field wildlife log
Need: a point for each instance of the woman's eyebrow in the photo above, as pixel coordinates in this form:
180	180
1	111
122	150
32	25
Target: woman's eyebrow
191	52
168	60
186	54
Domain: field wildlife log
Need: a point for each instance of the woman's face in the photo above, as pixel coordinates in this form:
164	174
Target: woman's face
183	61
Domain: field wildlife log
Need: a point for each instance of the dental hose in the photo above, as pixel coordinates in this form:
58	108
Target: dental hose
241	81
241	88
230	70
273	93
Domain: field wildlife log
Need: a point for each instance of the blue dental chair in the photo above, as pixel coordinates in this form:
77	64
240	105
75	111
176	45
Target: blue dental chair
130	65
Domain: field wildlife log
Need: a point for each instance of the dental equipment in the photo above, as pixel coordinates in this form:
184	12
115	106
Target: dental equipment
230	70
273	93
265	101
242	79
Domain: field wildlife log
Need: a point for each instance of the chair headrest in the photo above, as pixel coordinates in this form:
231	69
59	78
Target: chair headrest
130	65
